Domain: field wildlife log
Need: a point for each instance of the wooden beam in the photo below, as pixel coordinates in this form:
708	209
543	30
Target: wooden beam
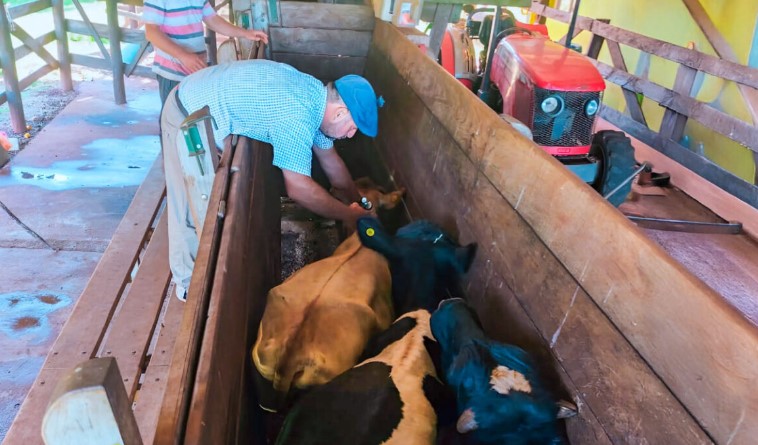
38	49
332	42
10	75
642	293
133	327
326	16
181	375
92	29
694	59
326	68
673	123
629	96
718	121
61	35
117	64
723	49
25	9
89	405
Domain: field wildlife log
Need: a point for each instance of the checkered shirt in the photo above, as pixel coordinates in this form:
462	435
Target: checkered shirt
264	100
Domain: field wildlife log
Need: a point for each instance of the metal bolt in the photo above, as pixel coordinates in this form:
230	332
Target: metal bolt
204	197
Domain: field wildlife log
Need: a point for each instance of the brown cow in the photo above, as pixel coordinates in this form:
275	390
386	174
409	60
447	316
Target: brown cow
318	321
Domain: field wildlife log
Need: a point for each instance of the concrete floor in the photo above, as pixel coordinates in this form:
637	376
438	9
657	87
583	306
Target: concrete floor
71	185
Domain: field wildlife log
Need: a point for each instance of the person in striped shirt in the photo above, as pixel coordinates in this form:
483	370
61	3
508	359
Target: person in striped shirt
176	30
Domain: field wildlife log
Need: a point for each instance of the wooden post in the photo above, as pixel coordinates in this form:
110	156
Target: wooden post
210	41
596	44
630	96
90	405
114	34
10	77
672	125
61	36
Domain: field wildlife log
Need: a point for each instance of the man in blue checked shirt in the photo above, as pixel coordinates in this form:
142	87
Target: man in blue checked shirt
274	103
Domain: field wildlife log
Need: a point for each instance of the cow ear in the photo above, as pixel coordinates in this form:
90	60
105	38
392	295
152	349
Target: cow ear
464	256
466	422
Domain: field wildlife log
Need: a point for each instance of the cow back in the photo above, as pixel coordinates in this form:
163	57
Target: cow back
318	321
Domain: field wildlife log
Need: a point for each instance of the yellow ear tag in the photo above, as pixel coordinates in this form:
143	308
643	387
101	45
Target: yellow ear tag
370	231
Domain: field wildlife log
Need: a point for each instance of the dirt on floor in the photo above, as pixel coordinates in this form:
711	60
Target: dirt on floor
42	101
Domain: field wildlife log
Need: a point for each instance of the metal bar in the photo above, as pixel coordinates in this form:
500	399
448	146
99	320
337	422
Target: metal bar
572	24
625	181
676	225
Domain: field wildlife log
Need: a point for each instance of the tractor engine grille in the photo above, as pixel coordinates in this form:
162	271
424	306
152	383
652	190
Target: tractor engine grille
569	127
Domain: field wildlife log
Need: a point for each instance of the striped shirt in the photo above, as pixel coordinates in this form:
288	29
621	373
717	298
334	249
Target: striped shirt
264	100
182	22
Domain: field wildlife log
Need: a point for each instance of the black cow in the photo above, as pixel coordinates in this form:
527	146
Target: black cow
425	263
499	396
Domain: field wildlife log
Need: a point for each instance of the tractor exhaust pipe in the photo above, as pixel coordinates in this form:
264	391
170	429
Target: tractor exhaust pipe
574	14
484	89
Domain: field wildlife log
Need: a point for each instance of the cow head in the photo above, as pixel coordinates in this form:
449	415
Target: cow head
425	263
499	396
377	195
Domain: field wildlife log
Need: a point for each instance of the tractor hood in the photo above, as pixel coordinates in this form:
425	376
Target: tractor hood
550	65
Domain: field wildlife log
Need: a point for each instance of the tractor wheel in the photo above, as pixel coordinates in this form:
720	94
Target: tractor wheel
616	155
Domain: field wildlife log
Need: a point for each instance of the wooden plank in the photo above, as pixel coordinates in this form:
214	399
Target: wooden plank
606	374
332	42
718	121
133	326
327	16
326	68
61	35
737	187
245	272
25	9
90	406
672	125
81	335
24	50
97	62
136	36
147	403
693	59
723	50
596	44
10	75
629	96
38	49
708	371
175	404
705	192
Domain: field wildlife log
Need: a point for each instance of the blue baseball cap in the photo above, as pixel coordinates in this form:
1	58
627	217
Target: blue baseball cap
362	102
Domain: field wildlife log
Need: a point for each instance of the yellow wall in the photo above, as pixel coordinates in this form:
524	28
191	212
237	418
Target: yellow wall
669	20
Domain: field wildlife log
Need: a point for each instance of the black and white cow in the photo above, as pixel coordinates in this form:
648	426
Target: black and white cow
425	263
500	398
390	398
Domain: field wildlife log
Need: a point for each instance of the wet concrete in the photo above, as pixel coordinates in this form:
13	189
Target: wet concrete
72	185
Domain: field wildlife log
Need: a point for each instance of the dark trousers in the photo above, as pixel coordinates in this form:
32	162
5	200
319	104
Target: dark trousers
165	86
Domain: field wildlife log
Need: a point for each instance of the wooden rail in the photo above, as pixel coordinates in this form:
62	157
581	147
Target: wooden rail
110	59
678	102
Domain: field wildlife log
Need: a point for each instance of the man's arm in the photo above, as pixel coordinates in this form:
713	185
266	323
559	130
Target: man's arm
306	192
218	24
193	62
337	172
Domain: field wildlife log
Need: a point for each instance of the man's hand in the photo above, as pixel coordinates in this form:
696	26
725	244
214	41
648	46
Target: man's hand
255	35
192	62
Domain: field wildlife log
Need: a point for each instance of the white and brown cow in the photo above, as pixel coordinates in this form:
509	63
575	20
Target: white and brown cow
316	324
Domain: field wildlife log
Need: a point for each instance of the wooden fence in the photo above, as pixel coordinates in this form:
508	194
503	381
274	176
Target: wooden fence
678	102
111	58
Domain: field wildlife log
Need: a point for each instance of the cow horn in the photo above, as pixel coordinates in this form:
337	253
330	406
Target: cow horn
466	422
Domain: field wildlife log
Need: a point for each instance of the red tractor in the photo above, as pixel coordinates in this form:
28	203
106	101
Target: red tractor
549	92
